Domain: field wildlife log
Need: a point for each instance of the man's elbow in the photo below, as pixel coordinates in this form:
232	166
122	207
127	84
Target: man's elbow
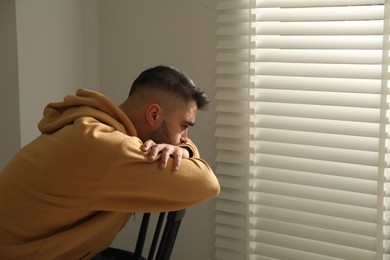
215	188
211	189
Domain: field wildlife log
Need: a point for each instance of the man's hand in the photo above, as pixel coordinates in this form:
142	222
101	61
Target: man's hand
166	150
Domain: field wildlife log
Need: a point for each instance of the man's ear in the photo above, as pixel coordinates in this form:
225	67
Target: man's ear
153	114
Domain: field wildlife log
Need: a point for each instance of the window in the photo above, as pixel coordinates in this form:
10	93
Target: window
302	127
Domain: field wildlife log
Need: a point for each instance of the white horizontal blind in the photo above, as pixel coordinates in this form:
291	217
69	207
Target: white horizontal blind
232	129
318	130
383	233
302	129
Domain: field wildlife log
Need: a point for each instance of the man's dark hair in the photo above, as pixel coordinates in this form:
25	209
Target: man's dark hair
171	81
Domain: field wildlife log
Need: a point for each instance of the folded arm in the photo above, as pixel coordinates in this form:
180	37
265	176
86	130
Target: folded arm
152	178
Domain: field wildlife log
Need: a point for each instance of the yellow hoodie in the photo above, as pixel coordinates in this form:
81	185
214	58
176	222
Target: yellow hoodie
69	192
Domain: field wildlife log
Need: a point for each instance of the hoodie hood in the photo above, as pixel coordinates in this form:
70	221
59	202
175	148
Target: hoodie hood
85	103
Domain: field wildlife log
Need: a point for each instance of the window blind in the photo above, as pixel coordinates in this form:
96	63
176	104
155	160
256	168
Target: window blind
302	130
233	129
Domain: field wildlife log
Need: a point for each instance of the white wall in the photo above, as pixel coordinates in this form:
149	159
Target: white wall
9	97
135	35
57	46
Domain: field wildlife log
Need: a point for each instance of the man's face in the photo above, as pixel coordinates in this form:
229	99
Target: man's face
174	128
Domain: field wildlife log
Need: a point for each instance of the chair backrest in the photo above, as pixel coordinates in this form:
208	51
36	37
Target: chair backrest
164	243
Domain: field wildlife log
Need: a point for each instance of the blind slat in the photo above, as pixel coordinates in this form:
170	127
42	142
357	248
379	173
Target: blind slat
313	246
316	193
316	180
317	125
311	97
316	233
372	86
311	219
368	115
353	71
314	139
323	208
342	13
350	42
329	154
320	28
316	166
305	3
311	56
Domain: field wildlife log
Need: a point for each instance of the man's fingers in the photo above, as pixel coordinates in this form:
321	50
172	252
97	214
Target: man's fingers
176	163
155	150
147	145
166	152
171	152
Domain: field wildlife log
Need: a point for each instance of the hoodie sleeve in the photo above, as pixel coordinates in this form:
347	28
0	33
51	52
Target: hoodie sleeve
193	150
135	184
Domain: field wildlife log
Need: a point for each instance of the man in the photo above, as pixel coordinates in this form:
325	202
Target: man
69	192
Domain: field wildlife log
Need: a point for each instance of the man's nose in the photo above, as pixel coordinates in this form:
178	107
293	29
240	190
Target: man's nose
184	137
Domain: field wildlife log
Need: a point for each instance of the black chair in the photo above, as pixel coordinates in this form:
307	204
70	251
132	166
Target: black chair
165	243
